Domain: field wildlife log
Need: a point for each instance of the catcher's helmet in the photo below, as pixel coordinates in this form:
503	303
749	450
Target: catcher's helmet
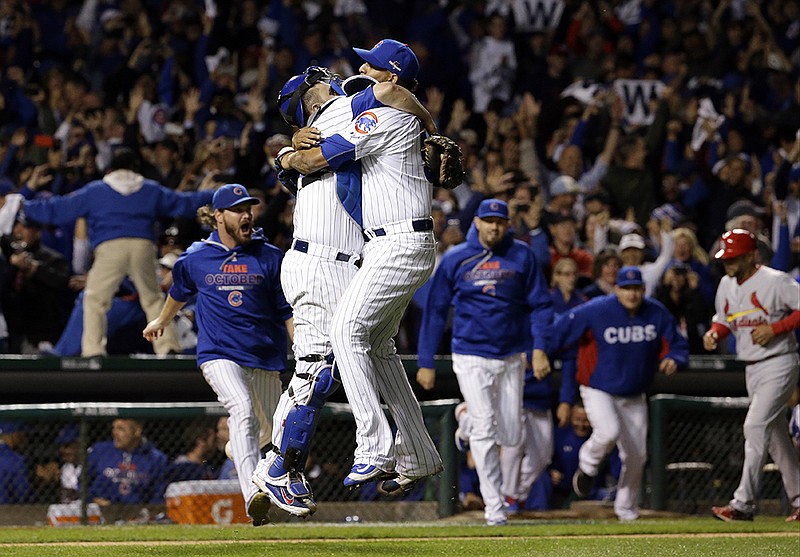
291	94
734	243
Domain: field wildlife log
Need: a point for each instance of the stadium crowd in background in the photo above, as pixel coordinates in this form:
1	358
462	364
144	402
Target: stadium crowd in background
608	118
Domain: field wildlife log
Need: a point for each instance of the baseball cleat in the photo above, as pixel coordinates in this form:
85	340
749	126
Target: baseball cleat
582	483
282	499
258	508
403	484
513	506
287	492
795	516
497	522
365	473
729	514
398	486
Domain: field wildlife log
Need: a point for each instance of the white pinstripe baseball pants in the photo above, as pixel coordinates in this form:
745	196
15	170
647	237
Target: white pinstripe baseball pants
362	330
312	286
522	464
620	421
250	397
492	389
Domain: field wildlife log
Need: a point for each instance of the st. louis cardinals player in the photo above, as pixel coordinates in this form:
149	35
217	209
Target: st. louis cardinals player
322	261
761	307
242	321
623	339
399	254
500	302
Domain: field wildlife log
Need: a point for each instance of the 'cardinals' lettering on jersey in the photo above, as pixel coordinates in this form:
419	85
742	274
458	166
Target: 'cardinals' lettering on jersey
765	298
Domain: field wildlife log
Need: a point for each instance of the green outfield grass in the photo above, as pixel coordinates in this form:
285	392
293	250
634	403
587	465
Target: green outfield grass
766	537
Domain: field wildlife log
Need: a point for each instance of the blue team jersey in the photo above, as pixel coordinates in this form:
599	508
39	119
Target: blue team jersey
619	353
135	477
500	301
241	310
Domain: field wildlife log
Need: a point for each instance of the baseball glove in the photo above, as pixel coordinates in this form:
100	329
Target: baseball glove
442	158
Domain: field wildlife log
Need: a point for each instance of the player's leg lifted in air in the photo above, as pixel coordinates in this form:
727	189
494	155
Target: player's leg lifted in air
281	473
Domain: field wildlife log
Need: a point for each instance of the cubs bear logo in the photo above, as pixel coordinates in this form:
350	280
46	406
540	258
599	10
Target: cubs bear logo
366	122
235	298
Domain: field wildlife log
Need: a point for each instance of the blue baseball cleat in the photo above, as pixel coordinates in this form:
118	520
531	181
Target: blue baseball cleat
287	492
365	473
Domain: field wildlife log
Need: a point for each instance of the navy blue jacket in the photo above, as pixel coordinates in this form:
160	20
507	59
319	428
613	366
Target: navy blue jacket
619	353
241	310
499	297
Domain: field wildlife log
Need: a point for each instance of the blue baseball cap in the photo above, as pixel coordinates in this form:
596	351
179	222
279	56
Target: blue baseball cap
231	195
393	56
629	276
68	434
492	208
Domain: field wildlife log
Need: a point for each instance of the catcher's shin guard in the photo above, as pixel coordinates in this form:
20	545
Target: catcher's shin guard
301	421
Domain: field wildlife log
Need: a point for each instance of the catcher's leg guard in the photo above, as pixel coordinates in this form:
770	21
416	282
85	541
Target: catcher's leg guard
301	421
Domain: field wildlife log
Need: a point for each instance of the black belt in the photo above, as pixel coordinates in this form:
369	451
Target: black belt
419	225
309	179
302	246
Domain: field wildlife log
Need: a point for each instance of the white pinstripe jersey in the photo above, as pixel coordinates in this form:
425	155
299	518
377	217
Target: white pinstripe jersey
319	216
388	143
766	297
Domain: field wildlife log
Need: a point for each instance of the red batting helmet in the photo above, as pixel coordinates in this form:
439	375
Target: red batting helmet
734	243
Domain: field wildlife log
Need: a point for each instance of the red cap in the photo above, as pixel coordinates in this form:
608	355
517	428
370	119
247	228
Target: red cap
734	243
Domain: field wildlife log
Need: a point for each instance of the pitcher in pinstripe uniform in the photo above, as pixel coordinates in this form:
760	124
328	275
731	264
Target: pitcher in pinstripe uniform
242	319
393	207
321	263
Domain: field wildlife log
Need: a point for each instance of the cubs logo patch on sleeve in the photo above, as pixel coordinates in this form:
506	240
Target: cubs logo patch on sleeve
363	125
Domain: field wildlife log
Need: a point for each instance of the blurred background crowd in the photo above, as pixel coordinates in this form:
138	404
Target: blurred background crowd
620	132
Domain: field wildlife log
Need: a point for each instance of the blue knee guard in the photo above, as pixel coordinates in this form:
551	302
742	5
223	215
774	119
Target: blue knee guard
301	420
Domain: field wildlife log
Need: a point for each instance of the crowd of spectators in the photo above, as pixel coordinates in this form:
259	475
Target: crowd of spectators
672	121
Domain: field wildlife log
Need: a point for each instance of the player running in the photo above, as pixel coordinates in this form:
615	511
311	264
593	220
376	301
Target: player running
623	339
500	302
242	321
761	307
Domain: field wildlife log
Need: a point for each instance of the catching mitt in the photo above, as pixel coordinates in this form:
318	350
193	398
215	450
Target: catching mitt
442	158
